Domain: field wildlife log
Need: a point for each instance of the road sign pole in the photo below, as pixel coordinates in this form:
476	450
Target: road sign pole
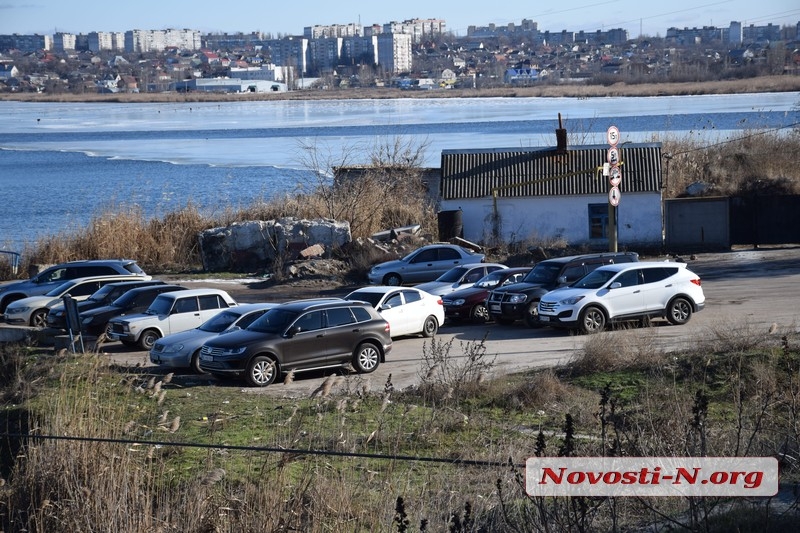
614	159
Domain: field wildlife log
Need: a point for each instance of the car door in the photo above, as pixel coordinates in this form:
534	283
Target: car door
341	334
422	267
415	312
394	312
626	299
446	259
659	287
185	314
307	345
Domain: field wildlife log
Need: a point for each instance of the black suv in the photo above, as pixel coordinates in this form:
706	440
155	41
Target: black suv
56	275
520	301
301	335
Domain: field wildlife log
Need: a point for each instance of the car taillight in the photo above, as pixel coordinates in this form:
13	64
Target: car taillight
386	328
696	281
440	302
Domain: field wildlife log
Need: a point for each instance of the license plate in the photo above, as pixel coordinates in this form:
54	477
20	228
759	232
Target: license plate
494	307
204	357
544	318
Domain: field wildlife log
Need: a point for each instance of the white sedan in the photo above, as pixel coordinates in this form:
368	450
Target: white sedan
408	311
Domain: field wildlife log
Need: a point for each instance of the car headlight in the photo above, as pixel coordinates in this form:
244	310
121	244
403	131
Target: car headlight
571	301
87	320
238	350
16	310
517	299
458	301
172	348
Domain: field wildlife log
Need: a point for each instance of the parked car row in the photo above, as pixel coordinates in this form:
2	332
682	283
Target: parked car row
585	292
206	330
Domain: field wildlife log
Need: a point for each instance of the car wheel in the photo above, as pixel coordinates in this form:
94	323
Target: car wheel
261	371
195	363
679	311
504	321
108	329
39	318
393	280
430	327
479	314
532	315
366	358
593	320
148	339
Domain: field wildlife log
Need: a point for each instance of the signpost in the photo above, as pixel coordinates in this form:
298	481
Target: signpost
614	180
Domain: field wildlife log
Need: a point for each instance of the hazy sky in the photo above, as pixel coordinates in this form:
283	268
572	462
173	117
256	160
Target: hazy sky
289	18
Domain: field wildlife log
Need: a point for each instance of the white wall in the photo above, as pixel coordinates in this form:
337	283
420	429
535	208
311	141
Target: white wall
639	218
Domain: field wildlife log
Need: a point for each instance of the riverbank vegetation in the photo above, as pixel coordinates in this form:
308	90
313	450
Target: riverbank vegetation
100	448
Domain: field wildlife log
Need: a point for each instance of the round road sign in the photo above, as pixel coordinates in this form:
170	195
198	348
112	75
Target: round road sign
614	176
612	135
614	196
613	156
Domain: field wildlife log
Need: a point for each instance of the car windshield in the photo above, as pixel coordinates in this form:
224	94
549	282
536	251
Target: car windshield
219	322
160	306
491	279
595	279
373	298
544	273
104	293
273	321
61	289
453	275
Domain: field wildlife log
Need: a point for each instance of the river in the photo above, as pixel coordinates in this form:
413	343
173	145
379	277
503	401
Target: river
63	163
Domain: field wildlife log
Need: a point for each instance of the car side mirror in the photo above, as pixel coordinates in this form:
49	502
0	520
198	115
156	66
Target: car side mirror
291	332
233	328
385	307
615	285
562	280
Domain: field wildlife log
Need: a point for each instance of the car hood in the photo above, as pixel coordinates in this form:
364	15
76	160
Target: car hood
193	336
567	292
238	338
518	287
438	288
395	263
35	301
105	309
467	293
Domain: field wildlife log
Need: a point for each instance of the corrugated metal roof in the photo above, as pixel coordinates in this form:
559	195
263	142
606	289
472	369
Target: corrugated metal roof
544	172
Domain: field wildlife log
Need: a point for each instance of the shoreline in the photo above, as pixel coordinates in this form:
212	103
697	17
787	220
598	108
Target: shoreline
762	84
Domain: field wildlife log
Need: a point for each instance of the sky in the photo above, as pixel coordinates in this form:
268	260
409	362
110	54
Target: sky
47	17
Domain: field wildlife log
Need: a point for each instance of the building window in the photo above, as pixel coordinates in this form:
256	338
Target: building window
598	221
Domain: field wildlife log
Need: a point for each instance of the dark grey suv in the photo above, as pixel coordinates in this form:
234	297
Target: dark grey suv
54	276
301	335
520	301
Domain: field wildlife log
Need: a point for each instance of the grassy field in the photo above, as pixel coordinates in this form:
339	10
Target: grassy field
120	449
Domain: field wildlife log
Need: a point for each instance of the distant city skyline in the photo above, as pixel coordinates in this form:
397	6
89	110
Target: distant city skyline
46	17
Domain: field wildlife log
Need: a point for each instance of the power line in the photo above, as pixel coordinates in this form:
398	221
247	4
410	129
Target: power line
267	449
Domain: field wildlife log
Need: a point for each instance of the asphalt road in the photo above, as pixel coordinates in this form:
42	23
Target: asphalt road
750	291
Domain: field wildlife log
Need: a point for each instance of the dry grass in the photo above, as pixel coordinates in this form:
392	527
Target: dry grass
708	404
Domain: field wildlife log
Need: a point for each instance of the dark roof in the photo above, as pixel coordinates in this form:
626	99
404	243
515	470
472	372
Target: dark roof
526	172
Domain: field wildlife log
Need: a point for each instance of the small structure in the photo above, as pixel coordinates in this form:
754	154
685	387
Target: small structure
518	194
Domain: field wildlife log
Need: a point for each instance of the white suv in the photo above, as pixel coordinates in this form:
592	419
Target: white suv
170	312
624	292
